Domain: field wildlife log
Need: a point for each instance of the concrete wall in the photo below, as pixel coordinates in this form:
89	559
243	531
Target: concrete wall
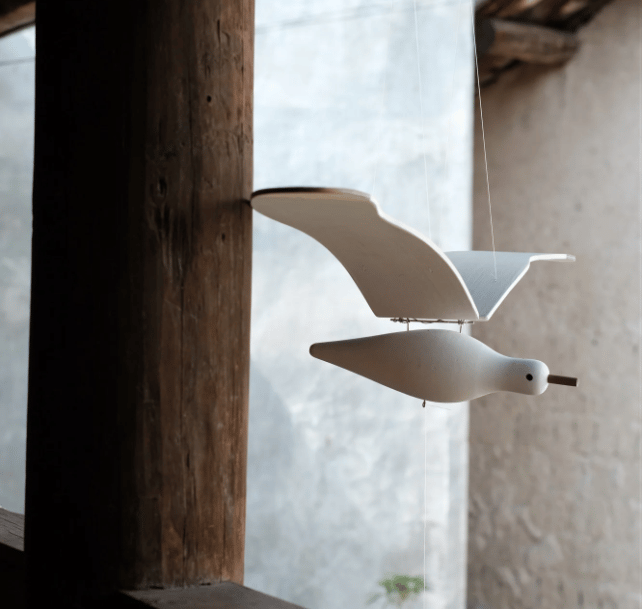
336	462
555	479
16	172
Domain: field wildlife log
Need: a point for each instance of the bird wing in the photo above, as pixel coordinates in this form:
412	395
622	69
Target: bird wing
399	272
487	289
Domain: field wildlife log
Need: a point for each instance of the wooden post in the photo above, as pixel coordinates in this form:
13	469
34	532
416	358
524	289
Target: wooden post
508	40
140	310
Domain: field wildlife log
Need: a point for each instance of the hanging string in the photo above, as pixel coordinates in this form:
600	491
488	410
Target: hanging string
425	494
425	597
421	109
450	116
640	247
481	115
461	323
382	106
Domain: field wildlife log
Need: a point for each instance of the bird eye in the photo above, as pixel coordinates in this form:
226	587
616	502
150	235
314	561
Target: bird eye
529	377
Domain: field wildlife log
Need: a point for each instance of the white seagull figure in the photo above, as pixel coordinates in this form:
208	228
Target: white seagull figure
404	275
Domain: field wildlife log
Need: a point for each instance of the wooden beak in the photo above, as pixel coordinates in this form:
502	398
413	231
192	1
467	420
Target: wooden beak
571	381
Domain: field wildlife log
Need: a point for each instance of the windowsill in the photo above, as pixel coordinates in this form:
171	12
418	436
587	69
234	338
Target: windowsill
223	595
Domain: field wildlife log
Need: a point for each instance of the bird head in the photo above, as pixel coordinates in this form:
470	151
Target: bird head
532	377
527	376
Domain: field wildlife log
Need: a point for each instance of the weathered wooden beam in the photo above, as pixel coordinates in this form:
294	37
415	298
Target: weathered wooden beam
16	15
12	562
11	538
536	11
140	307
567	15
527	11
570	7
507	40
225	595
575	13
490	8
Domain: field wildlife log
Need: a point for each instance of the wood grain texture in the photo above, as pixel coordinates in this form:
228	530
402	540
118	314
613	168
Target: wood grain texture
537	11
563	17
198	172
12	527
541	12
139	352
563	14
15	15
530	43
531	11
12	560
574	14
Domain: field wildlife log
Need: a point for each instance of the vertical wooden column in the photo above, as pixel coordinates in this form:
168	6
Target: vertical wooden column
140	312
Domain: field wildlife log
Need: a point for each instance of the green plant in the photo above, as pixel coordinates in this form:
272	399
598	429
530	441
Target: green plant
398	589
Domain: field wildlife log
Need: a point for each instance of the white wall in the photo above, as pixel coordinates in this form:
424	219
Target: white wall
16	172
336	462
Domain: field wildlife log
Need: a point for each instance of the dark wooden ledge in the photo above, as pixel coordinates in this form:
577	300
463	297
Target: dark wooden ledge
12	527
223	595
12	560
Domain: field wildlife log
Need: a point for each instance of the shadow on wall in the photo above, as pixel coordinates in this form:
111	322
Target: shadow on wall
304	532
275	528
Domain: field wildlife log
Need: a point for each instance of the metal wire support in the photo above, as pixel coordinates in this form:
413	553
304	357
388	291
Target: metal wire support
408	320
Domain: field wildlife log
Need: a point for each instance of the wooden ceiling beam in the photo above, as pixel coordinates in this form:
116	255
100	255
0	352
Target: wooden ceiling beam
503	40
490	8
509	32
567	15
530	10
16	15
575	13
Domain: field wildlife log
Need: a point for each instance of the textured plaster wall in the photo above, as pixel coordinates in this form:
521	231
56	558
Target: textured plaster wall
16	171
336	462
555	479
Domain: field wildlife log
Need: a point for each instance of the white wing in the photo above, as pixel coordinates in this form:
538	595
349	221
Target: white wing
400	272
478	272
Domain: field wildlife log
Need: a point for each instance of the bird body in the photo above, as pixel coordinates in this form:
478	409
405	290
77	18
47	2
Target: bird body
435	365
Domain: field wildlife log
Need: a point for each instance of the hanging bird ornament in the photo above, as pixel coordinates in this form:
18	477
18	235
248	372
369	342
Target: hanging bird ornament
406	277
